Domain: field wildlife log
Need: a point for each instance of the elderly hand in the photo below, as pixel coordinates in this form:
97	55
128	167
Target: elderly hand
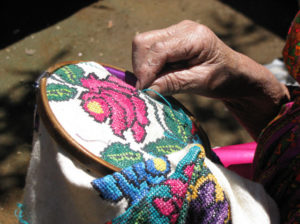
189	57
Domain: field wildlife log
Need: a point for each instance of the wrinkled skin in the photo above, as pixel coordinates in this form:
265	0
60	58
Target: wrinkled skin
189	58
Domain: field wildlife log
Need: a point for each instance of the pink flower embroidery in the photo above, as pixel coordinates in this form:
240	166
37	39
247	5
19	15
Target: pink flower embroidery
114	99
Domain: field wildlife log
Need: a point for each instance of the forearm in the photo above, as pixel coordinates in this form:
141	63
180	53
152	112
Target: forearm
260	98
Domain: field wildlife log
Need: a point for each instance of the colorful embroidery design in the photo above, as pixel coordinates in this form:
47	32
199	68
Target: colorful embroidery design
71	74
109	98
205	192
180	131
189	194
114	99
90	102
134	182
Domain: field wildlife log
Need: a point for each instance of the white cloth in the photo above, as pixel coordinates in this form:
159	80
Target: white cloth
277	67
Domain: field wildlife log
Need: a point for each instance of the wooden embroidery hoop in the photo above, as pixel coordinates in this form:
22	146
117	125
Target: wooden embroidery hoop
92	162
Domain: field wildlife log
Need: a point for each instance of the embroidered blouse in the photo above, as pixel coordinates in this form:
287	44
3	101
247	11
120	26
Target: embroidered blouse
277	159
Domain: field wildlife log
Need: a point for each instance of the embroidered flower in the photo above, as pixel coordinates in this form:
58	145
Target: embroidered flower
113	99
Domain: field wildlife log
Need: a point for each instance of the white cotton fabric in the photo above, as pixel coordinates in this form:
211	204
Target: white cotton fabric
57	190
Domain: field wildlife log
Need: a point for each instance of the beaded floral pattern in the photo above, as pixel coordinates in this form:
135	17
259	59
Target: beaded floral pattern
190	194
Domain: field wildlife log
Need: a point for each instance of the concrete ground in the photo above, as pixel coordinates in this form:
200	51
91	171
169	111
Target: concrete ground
36	36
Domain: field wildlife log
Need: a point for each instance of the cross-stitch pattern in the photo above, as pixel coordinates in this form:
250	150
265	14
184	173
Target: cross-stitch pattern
189	194
114	99
179	132
112	119
134	182
59	92
71	74
118	153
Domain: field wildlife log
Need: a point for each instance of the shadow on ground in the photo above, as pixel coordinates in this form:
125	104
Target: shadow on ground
235	35
17	104
16	128
22	18
276	16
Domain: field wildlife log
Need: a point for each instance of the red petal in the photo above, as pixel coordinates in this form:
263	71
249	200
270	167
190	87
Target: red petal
118	123
140	110
138	131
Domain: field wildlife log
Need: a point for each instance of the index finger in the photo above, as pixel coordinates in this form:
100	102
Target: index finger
152	50
144	68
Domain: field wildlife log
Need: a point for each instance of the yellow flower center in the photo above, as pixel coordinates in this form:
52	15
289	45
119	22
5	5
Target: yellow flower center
95	107
160	164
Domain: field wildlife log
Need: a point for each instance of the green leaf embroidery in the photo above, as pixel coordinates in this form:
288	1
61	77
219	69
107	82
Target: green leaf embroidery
121	155
177	134
71	74
59	92
163	146
179	124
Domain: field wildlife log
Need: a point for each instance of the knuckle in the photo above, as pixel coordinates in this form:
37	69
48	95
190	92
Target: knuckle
140	70
200	28
187	21
138	40
157	47
172	84
189	26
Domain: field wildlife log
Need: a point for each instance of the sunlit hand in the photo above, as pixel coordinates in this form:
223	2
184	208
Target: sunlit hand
189	57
